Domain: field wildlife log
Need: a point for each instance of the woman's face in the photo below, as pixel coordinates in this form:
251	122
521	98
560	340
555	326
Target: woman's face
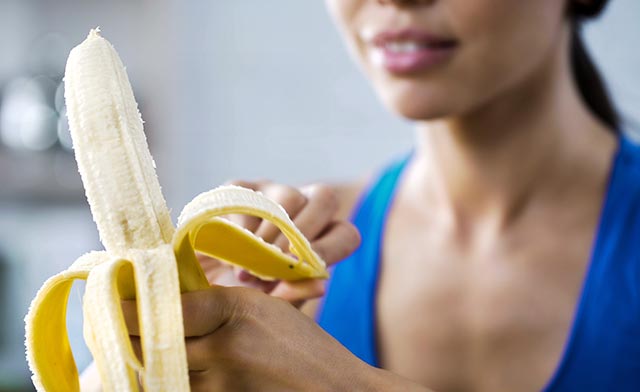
449	57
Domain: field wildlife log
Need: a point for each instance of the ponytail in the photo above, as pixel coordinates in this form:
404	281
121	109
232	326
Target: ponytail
589	81
590	84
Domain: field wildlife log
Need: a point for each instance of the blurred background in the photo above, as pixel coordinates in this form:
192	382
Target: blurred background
228	89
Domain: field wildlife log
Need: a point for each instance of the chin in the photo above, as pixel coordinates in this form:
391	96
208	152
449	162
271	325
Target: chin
418	106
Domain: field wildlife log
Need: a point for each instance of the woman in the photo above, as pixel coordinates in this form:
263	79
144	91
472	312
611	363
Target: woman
498	256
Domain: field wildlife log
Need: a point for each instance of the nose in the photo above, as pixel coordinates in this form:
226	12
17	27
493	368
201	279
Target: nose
405	3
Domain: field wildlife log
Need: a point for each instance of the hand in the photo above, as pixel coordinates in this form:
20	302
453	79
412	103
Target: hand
313	209
241	339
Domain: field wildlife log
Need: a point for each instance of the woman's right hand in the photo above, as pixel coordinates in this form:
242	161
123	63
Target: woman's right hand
313	209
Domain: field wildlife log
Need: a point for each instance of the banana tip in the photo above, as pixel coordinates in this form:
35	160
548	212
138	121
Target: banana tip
94	33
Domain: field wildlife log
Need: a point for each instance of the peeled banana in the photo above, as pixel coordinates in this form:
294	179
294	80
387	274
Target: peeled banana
145	257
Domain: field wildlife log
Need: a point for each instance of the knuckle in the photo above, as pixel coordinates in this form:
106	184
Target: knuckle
352	235
249	222
319	248
325	195
189	304
282	242
288	197
246	300
307	290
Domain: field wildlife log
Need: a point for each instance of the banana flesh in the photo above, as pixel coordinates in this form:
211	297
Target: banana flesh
111	150
145	256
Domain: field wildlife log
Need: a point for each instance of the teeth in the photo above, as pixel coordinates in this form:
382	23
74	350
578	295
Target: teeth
146	258
403	47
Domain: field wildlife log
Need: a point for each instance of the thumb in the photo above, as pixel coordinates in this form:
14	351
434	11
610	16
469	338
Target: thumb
205	311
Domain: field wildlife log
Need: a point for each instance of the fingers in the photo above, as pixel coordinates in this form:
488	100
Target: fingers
311	208
292	200
216	271
249	222
299	291
203	311
252	281
199	352
339	241
318	212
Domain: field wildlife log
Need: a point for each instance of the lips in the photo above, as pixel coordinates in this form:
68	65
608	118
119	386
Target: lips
409	51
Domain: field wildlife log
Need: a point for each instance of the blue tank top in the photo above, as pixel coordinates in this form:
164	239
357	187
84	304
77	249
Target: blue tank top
602	352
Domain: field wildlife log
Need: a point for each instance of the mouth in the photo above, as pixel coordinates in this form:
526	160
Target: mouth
408	51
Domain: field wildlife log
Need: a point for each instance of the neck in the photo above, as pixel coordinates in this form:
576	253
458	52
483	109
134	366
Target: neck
491	162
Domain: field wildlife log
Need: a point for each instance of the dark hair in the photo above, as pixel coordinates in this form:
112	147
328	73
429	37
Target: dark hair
589	81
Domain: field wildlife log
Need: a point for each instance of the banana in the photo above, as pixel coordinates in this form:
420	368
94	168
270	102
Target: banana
145	256
111	150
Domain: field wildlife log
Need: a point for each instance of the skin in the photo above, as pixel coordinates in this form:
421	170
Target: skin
237	341
488	240
487	244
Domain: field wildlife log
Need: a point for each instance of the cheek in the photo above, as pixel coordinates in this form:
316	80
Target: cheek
502	42
506	40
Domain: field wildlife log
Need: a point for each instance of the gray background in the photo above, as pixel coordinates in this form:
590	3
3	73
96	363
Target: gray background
228	89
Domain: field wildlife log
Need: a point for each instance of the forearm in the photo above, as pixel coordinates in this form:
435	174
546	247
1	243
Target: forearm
386	381
368	379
